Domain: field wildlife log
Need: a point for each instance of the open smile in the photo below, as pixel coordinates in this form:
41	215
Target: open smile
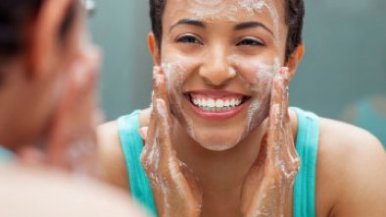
216	105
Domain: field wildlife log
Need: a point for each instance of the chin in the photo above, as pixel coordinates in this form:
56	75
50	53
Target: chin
217	138
218	147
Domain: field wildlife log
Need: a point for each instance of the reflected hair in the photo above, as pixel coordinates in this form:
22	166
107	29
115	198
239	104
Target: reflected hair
15	16
294	14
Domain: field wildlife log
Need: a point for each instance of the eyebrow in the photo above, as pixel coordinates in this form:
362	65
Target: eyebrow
252	24
189	22
238	27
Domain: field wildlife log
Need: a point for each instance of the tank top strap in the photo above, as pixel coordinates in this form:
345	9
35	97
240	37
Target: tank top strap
132	145
307	148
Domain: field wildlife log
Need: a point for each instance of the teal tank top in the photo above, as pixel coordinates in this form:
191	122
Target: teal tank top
132	145
305	183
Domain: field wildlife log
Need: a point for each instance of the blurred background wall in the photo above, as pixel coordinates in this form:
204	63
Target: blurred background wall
345	58
120	28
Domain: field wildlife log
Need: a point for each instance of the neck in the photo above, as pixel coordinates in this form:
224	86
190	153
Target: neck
220	174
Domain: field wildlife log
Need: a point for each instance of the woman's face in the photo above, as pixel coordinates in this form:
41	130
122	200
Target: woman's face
220	57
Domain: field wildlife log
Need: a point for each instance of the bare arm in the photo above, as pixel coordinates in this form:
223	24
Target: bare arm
353	164
364	183
52	193
110	153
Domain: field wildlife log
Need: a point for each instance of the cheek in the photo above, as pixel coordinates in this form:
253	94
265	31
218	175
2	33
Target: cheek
177	70
256	73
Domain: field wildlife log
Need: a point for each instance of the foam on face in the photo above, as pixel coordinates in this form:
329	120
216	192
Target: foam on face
219	10
176	72
257	74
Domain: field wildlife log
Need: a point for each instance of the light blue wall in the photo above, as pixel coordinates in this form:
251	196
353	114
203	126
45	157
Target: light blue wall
120	28
345	54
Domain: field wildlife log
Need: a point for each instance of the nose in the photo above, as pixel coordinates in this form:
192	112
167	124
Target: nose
216	70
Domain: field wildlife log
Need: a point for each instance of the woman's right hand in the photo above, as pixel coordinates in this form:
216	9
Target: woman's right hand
70	143
175	189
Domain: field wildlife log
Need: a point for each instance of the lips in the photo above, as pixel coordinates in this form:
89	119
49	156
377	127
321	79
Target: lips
218	105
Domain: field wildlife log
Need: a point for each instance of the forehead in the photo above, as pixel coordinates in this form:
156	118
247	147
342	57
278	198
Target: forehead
225	10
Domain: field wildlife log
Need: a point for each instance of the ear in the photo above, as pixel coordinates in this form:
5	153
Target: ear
44	41
295	60
153	48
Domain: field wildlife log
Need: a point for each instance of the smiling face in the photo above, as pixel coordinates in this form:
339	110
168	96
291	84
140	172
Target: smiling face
220	57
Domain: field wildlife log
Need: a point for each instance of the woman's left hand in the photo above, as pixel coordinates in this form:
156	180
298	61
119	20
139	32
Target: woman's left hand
267	190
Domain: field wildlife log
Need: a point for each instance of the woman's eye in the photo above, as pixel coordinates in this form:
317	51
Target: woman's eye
189	39
250	42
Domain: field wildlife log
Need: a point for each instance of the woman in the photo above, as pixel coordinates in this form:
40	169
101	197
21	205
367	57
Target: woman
47	83
48	113
221	139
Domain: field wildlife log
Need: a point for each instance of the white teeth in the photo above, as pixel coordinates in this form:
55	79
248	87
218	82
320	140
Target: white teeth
211	103
233	102
227	103
219	103
198	102
216	104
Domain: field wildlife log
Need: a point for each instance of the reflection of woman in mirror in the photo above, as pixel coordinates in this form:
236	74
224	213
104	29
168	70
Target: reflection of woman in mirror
47	83
47	114
220	139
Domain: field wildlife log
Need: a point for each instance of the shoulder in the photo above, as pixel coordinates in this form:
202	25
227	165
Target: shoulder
351	170
70	195
111	155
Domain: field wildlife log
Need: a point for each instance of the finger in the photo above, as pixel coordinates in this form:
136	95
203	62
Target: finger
158	133
162	100
164	129
82	102
160	86
159	93
76	117
279	101
278	116
90	58
280	91
61	128
143	132
152	127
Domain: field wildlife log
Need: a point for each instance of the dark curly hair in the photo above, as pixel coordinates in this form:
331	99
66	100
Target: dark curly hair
294	14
